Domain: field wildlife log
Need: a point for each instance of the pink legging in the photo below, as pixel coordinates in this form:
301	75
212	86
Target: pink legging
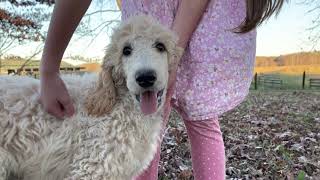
207	150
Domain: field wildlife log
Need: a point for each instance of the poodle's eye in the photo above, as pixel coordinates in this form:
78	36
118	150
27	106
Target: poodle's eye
160	46
127	50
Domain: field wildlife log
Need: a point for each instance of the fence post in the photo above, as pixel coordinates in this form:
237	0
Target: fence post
303	79
256	81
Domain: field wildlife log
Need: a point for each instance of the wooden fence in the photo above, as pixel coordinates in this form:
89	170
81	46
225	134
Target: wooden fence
278	81
314	83
270	80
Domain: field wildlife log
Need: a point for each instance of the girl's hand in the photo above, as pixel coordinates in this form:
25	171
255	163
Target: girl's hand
65	18
171	83
54	96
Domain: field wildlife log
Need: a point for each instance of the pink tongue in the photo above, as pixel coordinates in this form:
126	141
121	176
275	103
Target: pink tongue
148	102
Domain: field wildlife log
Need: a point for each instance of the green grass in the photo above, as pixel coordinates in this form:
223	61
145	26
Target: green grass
301	175
292	81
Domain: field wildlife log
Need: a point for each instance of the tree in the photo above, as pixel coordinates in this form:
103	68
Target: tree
314	30
22	21
97	20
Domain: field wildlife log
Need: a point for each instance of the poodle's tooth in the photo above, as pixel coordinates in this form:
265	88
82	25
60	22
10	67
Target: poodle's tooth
160	93
138	98
159	97
159	100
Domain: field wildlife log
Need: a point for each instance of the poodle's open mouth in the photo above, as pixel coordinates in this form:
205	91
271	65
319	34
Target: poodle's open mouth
149	101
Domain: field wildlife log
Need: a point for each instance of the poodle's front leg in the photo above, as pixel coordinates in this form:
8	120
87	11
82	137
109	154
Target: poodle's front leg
8	165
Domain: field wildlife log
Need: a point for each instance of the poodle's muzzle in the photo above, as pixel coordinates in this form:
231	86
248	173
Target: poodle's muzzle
150	97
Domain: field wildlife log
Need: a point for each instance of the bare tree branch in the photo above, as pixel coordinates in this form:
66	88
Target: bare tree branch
6	48
313	9
102	11
6	44
314	29
38	50
15	20
102	28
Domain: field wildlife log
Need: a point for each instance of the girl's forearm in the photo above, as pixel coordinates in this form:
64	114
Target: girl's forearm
187	19
65	19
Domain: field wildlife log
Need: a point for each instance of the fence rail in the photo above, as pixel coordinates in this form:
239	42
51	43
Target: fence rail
270	80
283	81
314	83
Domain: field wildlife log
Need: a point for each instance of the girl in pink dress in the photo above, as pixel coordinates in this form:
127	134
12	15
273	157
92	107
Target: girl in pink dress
213	76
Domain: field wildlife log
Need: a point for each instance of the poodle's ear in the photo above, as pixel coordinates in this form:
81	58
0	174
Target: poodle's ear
102	97
174	56
175	52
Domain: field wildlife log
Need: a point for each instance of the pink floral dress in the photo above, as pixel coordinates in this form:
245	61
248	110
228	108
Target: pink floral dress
217	68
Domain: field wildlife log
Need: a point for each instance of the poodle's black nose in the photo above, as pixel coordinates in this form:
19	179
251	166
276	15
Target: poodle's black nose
146	78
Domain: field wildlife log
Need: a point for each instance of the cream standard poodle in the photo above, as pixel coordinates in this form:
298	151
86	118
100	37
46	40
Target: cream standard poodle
113	134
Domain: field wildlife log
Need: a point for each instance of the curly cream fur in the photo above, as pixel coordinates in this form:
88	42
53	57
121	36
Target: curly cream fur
103	96
107	138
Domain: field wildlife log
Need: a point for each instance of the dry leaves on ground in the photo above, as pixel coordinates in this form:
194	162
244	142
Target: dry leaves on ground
271	135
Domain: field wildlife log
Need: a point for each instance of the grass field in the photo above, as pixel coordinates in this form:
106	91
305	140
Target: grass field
291	75
289	70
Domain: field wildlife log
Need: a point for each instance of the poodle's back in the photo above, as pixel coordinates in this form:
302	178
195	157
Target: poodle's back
35	144
28	133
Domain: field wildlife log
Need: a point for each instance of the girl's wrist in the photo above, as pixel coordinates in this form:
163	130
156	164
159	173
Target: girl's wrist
49	66
47	71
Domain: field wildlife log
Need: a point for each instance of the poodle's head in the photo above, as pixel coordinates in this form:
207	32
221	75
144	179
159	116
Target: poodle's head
138	58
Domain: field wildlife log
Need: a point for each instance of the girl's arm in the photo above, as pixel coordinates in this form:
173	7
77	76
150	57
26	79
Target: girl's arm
187	19
65	18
